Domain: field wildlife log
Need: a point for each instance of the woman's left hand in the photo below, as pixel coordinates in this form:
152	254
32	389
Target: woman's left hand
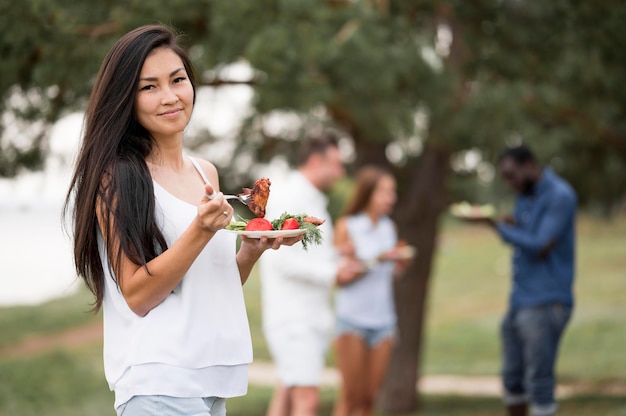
261	244
252	248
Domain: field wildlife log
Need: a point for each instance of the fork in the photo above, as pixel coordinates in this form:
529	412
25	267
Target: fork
243	199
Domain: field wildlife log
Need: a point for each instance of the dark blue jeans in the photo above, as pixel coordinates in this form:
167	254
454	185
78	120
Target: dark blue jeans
530	342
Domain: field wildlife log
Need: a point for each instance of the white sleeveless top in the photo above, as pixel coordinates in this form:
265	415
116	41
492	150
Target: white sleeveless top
368	302
196	343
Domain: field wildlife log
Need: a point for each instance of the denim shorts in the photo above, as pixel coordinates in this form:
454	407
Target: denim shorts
371	336
172	406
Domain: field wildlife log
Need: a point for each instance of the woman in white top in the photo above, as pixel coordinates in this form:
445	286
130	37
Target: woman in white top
149	244
365	309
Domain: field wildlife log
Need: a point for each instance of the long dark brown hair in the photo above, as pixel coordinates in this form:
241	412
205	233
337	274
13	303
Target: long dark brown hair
367	178
111	172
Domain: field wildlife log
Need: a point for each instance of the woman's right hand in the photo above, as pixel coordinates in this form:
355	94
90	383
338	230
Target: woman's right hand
350	269
216	213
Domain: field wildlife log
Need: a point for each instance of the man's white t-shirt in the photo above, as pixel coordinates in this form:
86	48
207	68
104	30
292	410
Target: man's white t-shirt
295	283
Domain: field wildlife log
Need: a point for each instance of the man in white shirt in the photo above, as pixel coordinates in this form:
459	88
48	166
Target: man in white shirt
296	284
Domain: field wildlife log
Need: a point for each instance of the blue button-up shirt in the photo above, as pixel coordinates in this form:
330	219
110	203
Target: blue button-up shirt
543	240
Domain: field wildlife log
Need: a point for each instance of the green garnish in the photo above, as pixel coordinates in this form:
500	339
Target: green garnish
237	226
313	235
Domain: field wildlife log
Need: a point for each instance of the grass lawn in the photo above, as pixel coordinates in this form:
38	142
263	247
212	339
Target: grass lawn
468	296
17	323
64	383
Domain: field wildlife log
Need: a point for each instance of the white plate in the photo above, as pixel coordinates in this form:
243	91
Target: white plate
271	234
401	253
465	210
405	252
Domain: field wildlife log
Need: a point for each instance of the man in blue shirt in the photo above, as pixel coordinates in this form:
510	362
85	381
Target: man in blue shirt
542	234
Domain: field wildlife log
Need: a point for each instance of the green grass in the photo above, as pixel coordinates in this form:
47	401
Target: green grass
252	293
62	383
470	288
467	298
69	383
20	322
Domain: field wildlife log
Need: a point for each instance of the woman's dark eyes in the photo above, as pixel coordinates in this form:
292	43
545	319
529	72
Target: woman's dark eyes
175	81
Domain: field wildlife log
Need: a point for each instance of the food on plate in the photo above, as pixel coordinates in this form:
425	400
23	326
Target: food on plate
258	196
285	222
290	224
467	210
315	221
259	224
402	251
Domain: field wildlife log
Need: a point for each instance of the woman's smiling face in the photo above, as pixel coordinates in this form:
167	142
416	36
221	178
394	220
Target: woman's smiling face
164	99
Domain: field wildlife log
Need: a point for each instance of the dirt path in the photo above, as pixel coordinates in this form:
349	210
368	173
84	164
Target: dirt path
262	373
71	338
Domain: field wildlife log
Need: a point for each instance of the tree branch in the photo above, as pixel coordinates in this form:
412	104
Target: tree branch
569	116
103	29
219	82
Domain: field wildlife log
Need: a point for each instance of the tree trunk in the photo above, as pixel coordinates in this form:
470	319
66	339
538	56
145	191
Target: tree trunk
370	153
419	209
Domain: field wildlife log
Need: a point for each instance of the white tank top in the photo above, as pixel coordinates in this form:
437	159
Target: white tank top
368	302
196	343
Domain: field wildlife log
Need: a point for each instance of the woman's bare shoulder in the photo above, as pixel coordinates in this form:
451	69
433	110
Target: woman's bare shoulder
209	170
208	167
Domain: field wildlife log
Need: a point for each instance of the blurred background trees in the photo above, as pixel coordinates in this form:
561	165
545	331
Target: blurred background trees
432	89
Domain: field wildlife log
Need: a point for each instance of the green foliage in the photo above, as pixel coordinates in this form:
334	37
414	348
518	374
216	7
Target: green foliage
548	73
565	73
346	60
51	52
544	73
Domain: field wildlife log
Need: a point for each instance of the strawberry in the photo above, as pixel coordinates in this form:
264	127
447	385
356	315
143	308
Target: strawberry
290	224
259	224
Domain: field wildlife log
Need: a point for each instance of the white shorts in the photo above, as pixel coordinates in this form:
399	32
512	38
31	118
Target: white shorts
299	353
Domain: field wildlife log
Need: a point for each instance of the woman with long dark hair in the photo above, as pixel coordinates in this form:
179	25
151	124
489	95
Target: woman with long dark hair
148	242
